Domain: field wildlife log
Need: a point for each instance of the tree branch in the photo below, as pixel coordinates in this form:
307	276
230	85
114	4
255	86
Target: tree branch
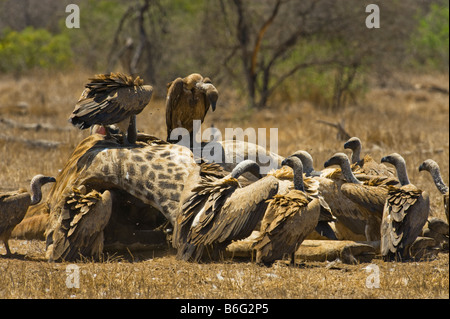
261	33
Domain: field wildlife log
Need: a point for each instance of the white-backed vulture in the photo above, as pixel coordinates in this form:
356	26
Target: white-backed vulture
367	164
218	211
433	167
369	195
14	205
289	218
405	213
350	224
109	99
307	162
188	99
80	228
285	176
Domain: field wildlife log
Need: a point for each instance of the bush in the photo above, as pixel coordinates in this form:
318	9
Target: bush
33	48
431	42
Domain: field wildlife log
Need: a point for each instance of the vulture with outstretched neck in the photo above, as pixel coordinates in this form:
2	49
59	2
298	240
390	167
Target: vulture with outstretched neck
289	218
368	195
112	99
14	205
433	168
405	213
367	163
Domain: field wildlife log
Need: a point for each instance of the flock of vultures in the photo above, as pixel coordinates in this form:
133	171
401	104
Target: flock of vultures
120	185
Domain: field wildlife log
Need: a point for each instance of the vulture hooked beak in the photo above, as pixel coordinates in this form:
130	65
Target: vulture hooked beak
211	93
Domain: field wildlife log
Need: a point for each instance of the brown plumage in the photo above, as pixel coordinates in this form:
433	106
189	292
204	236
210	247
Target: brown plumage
405	213
366	164
433	168
289	218
14	205
80	228
285	176
109	99
216	211
367	198
189	99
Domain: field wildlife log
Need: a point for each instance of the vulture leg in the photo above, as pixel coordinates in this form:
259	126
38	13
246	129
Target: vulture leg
132	131
8	252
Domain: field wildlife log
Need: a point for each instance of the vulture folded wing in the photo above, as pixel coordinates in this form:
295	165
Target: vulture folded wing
405	213
294	217
174	93
243	211
197	214
13	206
81	228
370	197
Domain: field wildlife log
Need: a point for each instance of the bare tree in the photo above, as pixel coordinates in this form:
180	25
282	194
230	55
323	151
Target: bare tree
138	39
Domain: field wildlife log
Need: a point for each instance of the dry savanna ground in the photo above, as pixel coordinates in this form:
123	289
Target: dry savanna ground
412	122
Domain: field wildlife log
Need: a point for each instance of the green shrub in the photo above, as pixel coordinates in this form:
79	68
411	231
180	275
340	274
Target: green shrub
33	48
431	41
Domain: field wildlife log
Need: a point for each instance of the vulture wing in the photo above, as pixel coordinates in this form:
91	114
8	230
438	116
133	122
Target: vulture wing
81	227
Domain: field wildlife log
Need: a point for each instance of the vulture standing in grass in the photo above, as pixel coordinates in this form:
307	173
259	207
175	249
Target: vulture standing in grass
187	100
285	176
14	205
289	218
433	167
405	213
217	211
80	228
367	163
369	195
112	99
351	222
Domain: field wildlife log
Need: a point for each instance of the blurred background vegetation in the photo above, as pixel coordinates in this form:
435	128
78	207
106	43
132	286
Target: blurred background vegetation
267	51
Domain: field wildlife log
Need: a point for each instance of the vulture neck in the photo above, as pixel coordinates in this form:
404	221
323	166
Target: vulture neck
437	178
308	166
245	166
298	178
356	154
36	193
402	174
347	172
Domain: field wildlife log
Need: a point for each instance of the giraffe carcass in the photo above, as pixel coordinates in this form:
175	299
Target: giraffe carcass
144	180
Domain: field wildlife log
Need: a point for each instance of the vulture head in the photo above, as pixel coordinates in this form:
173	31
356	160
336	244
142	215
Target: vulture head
296	164
354	144
400	165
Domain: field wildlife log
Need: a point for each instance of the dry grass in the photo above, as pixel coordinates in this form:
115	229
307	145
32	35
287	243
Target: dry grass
412	123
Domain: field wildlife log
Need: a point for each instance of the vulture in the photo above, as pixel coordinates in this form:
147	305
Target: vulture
405	213
218	211
285	176
369	195
367	163
112	99
307	162
433	167
80	228
14	205
289	218
188	99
